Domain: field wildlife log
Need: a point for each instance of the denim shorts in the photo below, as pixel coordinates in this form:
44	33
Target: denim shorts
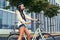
22	25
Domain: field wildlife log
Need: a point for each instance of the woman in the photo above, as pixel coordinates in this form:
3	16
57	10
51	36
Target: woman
22	21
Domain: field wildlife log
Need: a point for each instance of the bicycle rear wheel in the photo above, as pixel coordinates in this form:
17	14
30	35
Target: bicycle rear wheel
14	37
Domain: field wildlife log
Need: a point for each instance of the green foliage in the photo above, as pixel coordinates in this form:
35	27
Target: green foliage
7	7
51	10
38	5
15	2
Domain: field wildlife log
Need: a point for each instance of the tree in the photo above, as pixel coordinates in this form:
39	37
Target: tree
51	10
37	5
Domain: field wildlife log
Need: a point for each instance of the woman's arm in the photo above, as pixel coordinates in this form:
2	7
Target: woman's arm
20	18
28	17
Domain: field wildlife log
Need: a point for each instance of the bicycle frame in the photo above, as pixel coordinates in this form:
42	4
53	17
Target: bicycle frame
38	31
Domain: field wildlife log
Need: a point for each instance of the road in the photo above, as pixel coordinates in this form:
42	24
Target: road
56	38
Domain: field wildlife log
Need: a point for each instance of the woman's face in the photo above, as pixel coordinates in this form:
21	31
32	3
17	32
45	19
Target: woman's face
22	6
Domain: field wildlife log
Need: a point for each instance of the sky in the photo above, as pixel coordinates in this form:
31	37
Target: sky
58	1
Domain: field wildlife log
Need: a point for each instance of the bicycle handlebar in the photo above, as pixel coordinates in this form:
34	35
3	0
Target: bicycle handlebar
38	20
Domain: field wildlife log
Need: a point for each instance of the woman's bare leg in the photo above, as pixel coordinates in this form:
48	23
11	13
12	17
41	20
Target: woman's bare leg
28	34
21	32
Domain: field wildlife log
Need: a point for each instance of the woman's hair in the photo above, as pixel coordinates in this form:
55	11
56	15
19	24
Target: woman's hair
19	7
21	11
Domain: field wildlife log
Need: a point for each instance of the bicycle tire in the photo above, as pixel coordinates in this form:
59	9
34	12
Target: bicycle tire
49	37
40	38
14	37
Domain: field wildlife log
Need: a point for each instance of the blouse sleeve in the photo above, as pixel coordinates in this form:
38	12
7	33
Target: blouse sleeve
19	17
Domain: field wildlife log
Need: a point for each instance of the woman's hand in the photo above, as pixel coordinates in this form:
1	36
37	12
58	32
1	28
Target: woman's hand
27	22
35	19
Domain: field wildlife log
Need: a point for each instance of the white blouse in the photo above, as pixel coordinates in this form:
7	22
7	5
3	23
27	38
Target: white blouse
20	19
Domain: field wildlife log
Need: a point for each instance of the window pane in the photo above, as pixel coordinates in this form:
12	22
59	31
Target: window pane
0	23
5	20
0	14
13	18
2	3
9	19
5	16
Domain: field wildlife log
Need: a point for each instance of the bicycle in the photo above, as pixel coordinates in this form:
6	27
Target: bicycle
41	36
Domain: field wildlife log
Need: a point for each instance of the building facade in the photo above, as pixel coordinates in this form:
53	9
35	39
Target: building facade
7	19
53	24
48	25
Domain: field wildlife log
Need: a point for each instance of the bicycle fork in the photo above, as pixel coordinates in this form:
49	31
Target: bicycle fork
40	33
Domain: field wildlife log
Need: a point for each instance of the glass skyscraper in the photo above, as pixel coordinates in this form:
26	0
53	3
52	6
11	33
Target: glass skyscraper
53	25
2	3
45	21
7	19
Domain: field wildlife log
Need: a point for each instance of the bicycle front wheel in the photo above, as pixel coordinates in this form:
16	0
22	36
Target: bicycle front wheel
46	36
